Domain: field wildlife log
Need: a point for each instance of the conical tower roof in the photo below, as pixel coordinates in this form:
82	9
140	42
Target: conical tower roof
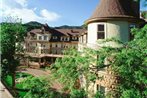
115	9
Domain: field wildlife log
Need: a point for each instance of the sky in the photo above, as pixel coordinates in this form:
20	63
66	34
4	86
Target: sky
52	12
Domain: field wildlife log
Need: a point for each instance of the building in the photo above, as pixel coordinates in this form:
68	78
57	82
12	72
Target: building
111	19
46	44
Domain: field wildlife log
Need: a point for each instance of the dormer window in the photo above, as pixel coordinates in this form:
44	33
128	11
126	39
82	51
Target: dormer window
100	31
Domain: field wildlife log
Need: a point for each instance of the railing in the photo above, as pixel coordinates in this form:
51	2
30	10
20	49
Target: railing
44	55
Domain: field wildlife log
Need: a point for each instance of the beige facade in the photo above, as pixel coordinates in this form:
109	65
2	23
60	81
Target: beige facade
46	44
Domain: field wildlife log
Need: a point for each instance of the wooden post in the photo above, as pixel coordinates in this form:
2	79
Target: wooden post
44	61
39	62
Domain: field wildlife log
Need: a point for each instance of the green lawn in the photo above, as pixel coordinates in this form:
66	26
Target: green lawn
8	81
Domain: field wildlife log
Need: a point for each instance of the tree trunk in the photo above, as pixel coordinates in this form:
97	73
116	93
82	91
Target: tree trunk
13	80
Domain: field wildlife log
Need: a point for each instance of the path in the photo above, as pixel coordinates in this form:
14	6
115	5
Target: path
35	72
4	93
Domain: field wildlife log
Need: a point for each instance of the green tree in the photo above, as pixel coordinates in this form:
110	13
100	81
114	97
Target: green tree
38	87
129	62
131	65
68	70
12	34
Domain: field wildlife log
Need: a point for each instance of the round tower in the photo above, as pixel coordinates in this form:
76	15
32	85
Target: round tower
113	19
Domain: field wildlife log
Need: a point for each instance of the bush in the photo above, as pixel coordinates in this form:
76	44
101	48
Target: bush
78	93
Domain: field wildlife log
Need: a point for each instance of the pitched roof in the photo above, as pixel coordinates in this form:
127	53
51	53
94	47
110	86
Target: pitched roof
110	9
72	32
58	32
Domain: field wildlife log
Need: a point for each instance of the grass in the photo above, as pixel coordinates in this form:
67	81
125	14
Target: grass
8	81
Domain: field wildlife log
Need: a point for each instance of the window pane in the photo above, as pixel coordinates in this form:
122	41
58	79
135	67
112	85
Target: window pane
45	37
40	37
101	35
101	27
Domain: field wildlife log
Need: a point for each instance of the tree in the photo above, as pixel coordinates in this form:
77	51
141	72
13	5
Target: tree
68	70
128	62
131	65
40	87
12	32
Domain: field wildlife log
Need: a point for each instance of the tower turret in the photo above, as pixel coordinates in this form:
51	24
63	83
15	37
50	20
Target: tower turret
113	19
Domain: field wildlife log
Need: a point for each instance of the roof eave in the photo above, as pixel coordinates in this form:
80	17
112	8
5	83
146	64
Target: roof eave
104	19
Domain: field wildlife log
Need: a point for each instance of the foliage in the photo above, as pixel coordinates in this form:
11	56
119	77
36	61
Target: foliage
144	14
38	87
69	67
8	78
8	82
12	32
129	62
32	25
99	95
78	93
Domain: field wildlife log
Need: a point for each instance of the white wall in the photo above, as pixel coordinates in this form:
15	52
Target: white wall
42	35
118	29
113	29
92	33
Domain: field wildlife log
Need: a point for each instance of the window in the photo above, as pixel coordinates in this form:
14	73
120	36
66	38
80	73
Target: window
82	39
45	37
55	37
61	38
100	31
42	51
40	37
101	89
64	38
68	39
75	38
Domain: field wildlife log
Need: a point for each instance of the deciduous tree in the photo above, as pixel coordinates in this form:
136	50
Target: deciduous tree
12	34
